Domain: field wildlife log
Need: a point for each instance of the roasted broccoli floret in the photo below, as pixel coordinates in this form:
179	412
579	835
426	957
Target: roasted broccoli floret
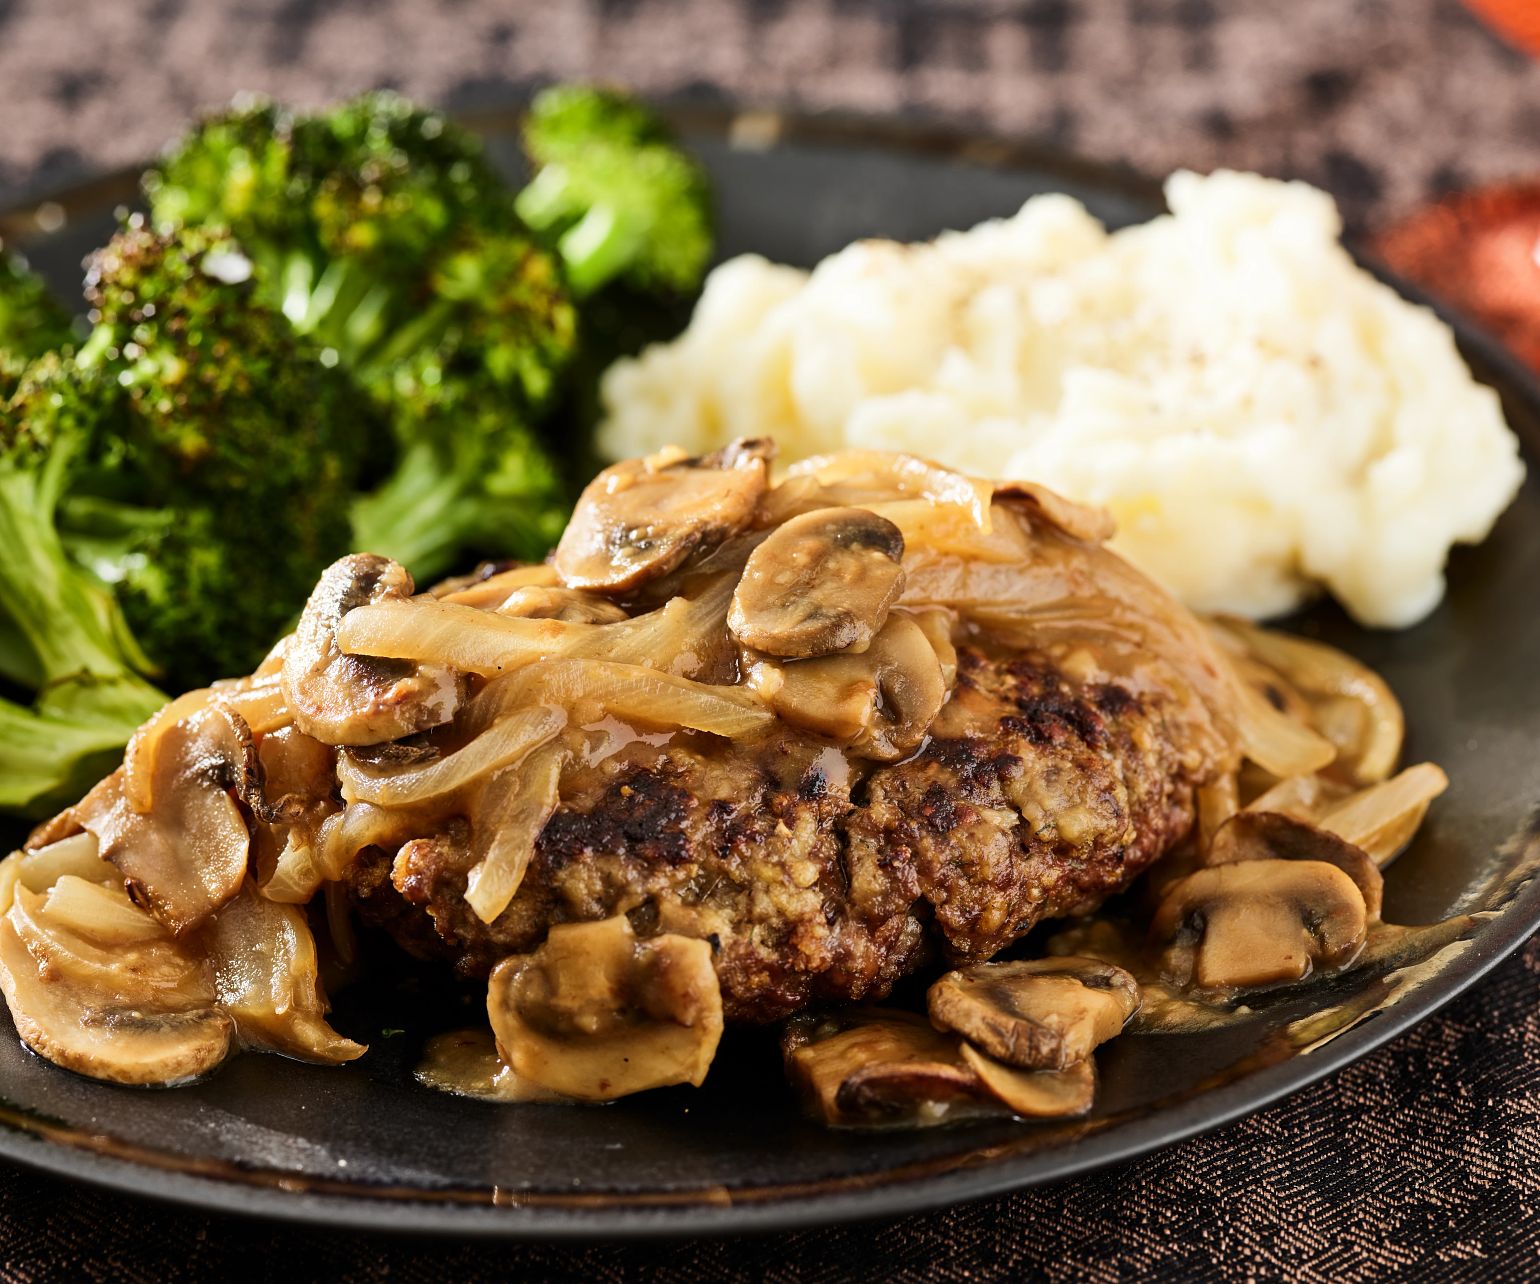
31	321
218	481
629	215
614	193
396	250
168	496
66	654
464	381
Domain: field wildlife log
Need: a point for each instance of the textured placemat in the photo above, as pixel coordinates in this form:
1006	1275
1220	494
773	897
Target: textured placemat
1383	101
1421	1161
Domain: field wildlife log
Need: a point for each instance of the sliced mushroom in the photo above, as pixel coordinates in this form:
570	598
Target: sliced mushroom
867	1066
224	739
1270	835
595	1013
268	979
187	855
880	702
821	583
1036	1094
574	606
638	520
873	1067
1037	1014
360	699
100	988
1257	923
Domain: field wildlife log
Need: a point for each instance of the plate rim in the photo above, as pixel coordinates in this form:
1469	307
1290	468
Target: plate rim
40	1144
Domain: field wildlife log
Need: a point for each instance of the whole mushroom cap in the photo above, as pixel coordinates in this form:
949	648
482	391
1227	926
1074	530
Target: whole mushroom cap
1261	922
820	583
1037	1014
638	520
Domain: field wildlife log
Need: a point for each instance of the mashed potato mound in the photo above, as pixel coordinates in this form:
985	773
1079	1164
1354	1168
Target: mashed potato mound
1261	416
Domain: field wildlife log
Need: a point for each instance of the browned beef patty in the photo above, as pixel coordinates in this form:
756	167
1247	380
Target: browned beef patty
1034	797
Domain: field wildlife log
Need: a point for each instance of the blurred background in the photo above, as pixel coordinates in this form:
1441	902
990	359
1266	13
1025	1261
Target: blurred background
1387	103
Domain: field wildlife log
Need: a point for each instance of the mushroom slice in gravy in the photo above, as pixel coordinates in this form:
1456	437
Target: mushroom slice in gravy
1037	1014
874	1067
1260	922
880	702
187	855
867	1066
1036	1094
96	985
1271	835
821	583
638	520
360	699
596	1014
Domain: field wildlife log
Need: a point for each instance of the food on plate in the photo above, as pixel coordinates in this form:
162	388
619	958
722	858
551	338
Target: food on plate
31	320
383	232
338	317
748	748
1226	368
385	236
614	194
139	480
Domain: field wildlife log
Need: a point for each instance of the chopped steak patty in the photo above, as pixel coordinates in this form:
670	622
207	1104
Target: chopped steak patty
1035	796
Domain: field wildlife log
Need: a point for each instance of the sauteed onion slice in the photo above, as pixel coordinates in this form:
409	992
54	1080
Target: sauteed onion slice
680	636
505	742
592	689
880	472
507	820
267	977
1279	744
1347	702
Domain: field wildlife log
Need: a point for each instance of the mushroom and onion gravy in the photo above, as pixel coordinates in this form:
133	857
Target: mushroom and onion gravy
745	750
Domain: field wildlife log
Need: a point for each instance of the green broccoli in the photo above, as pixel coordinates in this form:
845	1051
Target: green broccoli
629	214
386	238
31	322
168	496
217	485
614	193
64	645
464	381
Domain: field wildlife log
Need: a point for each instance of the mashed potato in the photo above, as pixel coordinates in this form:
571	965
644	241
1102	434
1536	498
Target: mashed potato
1260	415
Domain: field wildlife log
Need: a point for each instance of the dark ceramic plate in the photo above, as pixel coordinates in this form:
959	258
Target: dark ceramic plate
365	1147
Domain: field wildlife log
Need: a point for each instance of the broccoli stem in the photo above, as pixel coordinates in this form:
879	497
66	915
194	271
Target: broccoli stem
547	199
68	641
52	753
68	621
417	516
598	247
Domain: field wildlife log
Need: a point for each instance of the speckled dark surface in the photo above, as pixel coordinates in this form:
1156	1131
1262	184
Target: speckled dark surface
1417	1161
1383	101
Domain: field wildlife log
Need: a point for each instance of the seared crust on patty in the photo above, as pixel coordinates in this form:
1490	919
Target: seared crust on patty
1035	796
